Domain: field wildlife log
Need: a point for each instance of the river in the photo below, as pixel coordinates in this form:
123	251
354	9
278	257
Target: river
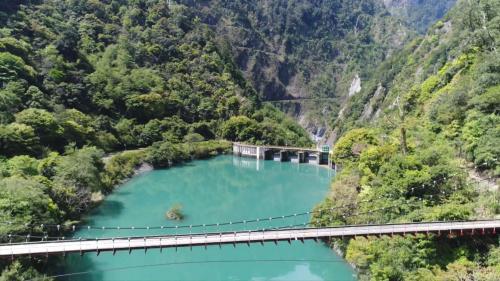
222	189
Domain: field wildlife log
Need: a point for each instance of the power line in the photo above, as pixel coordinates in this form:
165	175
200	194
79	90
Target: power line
124	268
73	228
238	222
291	226
396	195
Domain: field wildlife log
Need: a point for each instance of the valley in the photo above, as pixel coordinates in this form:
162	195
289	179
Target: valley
406	94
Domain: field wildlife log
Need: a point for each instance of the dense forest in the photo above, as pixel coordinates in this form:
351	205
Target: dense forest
304	49
411	141
314	50
80	78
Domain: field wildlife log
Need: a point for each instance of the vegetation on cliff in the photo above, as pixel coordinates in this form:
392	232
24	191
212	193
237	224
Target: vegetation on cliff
299	49
406	152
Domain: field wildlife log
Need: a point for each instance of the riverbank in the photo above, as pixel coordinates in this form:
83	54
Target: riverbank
122	166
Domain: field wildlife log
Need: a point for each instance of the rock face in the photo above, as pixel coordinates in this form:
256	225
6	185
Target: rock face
145	167
355	86
372	105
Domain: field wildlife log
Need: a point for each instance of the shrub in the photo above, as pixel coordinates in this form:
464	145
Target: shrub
165	154
175	213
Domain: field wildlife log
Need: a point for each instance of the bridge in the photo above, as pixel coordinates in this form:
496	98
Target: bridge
458	228
282	153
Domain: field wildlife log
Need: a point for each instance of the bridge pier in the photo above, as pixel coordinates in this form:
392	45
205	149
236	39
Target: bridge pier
268	154
323	158
302	157
284	156
312	158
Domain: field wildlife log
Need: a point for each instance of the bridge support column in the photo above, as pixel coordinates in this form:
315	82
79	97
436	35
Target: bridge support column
236	150
302	157
268	154
323	158
283	155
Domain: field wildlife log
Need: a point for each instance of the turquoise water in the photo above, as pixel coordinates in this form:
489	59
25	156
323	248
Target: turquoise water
218	190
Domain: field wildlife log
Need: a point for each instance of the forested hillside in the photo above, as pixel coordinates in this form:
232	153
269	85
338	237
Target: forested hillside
305	49
412	138
314	49
419	14
80	77
107	71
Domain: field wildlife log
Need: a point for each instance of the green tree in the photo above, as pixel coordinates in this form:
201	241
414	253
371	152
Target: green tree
44	123
16	139
77	175
193	137
352	144
151	133
13	67
18	272
165	154
77	127
25	201
35	98
10	100
233	127
23	166
480	133
126	133
47	166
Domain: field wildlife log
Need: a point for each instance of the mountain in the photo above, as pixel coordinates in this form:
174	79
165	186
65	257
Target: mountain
420	142
419	14
101	73
300	49
441	77
412	116
309	57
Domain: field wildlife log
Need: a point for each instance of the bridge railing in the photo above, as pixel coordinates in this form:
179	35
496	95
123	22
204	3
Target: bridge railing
200	239
396	227
278	147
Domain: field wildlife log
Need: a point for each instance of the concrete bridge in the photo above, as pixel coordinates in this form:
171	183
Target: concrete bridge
486	227
283	153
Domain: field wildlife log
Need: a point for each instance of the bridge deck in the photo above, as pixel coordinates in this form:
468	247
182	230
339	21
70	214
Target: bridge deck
69	246
289	148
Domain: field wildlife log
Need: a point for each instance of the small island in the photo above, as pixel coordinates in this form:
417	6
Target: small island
175	213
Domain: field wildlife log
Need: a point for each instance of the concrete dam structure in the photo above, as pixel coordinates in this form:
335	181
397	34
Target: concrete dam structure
284	153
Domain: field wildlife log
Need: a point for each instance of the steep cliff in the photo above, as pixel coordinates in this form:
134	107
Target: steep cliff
300	49
324	50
